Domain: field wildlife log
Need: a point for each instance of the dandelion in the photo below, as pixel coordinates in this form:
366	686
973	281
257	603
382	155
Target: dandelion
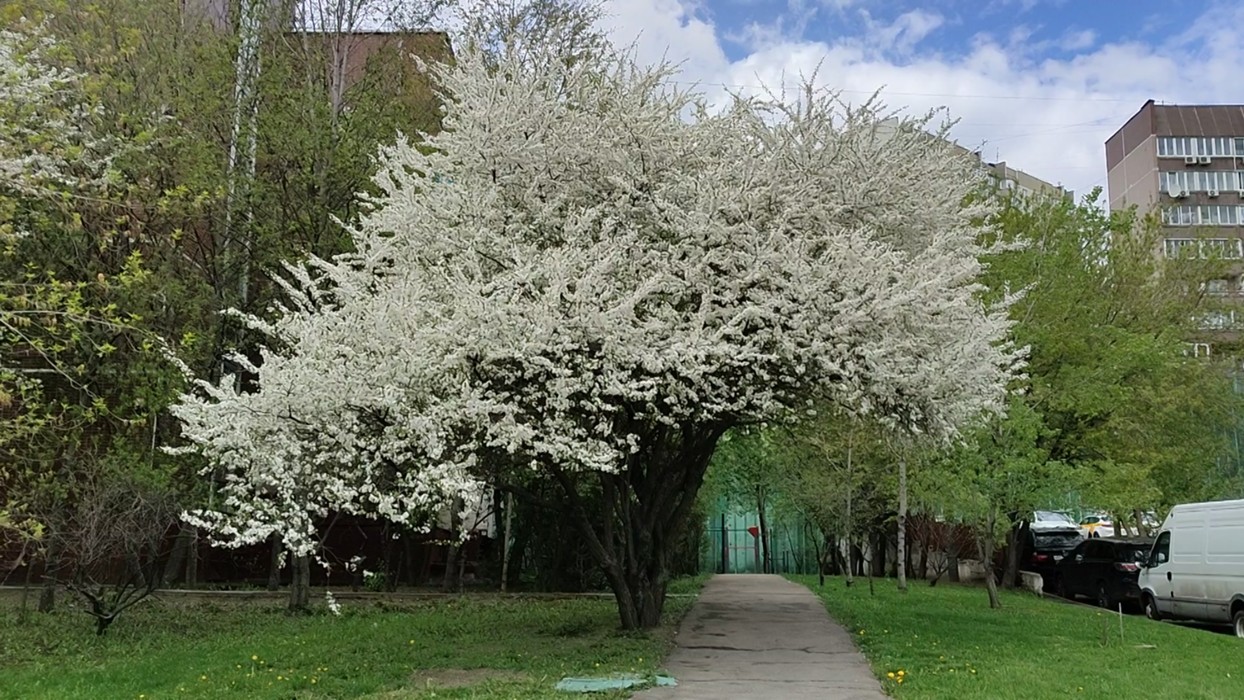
890	675
254	657
202	678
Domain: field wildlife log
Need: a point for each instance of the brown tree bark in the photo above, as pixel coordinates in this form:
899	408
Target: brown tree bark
991	584
274	563
300	585
647	505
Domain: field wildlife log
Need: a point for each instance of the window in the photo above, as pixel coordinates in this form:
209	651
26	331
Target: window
1210	215
1161	550
1222	248
1217	320
1197	350
1217	287
1178	247
1215	146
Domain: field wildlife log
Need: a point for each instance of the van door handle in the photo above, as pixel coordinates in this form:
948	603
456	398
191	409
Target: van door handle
1168	576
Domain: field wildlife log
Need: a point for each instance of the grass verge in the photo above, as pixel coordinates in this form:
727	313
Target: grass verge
949	644
477	646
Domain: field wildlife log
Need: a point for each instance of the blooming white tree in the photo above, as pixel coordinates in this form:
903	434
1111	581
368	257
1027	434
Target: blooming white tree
590	275
48	143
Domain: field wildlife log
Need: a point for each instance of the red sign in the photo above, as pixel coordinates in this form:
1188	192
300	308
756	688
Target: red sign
754	531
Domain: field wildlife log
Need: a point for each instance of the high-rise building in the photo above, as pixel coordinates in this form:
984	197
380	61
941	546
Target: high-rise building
1187	161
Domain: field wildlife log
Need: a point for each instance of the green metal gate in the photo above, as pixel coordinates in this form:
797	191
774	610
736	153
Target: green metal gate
732	545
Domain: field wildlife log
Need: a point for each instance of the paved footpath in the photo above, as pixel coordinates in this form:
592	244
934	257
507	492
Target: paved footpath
762	637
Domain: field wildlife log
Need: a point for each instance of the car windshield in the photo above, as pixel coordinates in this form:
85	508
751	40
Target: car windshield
1049	517
1137	553
1056	540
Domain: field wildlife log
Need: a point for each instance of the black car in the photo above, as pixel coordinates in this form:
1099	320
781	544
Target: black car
1044	548
1104	569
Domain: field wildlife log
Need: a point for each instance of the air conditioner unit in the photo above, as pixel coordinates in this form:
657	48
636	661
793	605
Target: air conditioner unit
1178	193
1190	160
1212	193
1203	160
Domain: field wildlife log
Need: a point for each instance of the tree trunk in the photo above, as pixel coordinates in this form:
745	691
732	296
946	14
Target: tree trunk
1011	572
646	508
450	581
274	564
507	539
880	552
766	561
991	584
192	559
51	569
952	563
177	558
300	585
902	525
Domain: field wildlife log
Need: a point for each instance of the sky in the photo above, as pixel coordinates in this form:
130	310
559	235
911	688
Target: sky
1040	84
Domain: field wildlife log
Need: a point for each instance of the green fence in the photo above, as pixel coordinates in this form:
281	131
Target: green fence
732	545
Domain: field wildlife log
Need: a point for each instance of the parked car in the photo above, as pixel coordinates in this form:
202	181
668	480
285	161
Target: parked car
1050	520
1045	547
1195	570
1104	569
1097	525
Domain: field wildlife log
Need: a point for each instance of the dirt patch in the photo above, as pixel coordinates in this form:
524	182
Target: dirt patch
460	677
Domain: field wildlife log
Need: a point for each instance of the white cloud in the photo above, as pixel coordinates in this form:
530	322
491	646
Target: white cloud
902	35
1077	40
1048	116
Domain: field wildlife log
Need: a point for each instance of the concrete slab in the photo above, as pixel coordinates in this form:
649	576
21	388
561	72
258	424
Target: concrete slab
762	637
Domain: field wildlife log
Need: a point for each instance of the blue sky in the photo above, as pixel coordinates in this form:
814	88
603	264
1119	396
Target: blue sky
1040	84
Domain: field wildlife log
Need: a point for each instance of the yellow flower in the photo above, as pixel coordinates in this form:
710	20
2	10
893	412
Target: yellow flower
202	678
312	680
254	657
890	674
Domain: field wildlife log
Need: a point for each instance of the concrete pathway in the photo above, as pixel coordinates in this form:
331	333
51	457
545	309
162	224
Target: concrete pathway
762	637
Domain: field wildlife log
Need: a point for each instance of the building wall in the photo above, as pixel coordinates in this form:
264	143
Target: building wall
1166	145
1134	180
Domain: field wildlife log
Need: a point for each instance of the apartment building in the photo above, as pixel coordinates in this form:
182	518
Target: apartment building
1005	177
1187	161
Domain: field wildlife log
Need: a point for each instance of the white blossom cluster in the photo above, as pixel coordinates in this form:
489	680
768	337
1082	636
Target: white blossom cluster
584	255
47	137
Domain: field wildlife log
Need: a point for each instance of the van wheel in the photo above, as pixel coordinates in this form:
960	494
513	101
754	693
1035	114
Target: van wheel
1152	612
1239	623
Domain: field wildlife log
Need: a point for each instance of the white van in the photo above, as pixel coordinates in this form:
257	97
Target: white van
1196	567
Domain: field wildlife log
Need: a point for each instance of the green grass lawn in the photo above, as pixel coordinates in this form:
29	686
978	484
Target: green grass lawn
949	644
477	646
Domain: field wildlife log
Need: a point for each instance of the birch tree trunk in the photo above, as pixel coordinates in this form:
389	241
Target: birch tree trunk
902	525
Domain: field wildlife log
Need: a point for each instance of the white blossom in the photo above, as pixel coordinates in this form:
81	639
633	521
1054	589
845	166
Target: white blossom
48	137
586	250
333	606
